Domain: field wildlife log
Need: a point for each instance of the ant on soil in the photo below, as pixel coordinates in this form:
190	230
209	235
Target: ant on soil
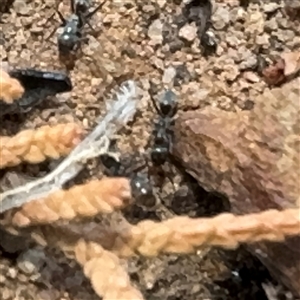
80	6
163	132
163	127
71	36
200	12
142	190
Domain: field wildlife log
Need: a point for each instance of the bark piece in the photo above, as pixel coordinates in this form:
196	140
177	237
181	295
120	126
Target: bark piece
252	157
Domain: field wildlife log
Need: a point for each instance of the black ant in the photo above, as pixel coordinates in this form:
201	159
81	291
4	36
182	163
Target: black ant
163	128
200	12
208	42
69	40
80	6
141	187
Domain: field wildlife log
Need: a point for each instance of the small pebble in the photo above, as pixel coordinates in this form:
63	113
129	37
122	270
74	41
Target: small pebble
155	32
31	261
270	7
188	32
169	75
251	77
221	18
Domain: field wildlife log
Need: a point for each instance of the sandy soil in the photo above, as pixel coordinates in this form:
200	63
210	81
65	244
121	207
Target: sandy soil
144	40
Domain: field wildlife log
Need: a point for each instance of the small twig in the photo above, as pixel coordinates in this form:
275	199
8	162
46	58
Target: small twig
107	276
35	146
97	196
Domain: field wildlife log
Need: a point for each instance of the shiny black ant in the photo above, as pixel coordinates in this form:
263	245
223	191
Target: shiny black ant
163	127
71	36
80	6
200	11
141	187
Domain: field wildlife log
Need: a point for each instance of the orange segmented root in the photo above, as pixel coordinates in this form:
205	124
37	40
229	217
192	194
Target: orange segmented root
35	146
107	276
10	88
97	196
185	235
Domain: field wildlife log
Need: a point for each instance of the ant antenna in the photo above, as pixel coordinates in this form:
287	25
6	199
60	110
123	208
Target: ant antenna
152	98
90	14
63	20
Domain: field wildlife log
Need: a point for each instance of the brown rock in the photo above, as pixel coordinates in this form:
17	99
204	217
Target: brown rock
252	157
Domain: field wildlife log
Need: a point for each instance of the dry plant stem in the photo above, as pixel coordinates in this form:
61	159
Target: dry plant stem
118	114
35	146
10	88
185	235
107	276
97	196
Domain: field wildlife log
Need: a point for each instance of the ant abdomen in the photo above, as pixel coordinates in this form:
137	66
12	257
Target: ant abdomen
159	154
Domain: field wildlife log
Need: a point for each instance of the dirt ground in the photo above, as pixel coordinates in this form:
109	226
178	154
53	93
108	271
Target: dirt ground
144	40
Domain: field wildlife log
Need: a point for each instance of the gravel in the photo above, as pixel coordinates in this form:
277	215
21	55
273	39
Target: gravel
148	41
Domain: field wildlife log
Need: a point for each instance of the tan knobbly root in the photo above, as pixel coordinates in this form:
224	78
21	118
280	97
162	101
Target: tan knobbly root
185	235
10	88
107	276
97	196
35	146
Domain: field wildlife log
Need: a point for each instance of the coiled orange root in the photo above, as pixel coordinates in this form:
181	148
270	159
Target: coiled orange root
185	235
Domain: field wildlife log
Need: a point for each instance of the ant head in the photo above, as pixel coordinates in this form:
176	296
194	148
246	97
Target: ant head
168	103
81	6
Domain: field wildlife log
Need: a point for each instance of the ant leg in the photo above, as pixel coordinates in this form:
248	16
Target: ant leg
155	105
90	14
84	39
90	26
173	183
72	4
63	20
50	35
152	99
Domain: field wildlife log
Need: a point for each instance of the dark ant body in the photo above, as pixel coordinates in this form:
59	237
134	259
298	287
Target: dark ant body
141	187
163	128
71	36
200	11
208	42
69	40
80	6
